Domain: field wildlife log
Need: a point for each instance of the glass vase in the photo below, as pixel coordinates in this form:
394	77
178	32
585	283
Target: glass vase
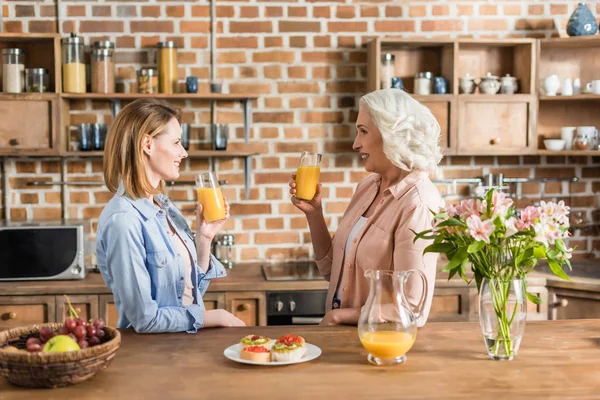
502	315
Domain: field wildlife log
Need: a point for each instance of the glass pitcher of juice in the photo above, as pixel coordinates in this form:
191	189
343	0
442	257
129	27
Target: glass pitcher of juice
307	176
387	327
210	196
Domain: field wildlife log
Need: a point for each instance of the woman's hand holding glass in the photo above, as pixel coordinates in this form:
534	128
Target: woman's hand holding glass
308	207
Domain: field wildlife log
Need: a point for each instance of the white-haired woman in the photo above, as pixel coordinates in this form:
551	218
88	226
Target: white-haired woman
397	140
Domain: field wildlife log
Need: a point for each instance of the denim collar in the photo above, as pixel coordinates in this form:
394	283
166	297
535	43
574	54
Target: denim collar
143	205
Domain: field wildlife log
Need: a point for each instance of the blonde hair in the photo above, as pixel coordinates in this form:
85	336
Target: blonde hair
124	159
410	132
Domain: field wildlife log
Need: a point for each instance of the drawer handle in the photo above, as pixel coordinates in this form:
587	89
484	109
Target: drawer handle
12	315
14	142
495	141
561	303
244	307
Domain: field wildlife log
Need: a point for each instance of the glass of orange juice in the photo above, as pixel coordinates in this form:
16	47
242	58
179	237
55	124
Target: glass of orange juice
210	196
307	176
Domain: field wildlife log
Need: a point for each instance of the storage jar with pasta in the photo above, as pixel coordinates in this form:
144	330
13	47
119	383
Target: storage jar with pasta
147	79
73	67
167	67
13	70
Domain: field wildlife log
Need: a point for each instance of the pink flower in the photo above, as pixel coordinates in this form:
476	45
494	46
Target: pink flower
528	217
480	230
450	210
468	208
511	227
500	204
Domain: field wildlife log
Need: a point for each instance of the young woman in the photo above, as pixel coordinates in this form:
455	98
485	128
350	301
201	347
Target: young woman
397	139
157	269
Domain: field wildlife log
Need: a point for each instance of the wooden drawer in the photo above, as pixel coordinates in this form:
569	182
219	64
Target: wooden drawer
573	304
444	113
28	124
86	307
26	310
107	310
214	300
250	307
488	124
449	305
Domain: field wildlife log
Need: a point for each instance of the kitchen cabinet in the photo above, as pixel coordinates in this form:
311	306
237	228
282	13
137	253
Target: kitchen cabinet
573	304
450	304
107	310
214	300
250	307
86	307
26	310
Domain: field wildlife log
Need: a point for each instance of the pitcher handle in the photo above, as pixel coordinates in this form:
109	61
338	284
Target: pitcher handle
418	309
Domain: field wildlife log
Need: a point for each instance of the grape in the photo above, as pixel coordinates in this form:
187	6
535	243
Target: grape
34	347
82	322
83	344
63	331
80	332
33	340
72	336
100	333
93	341
99	323
91	331
45	334
70	324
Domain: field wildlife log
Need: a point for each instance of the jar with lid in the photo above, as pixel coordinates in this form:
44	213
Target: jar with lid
581	142
423	83
387	70
147	80
13	70
103	71
37	80
167	67
73	64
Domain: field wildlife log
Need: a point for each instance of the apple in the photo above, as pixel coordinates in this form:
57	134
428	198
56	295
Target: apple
60	344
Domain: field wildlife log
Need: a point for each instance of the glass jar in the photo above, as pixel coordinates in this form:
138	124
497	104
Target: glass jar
37	80
167	67
103	71
13	70
147	80
423	83
223	250
387	70
581	142
73	64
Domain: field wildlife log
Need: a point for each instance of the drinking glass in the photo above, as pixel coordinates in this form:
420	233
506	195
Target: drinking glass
307	176
210	196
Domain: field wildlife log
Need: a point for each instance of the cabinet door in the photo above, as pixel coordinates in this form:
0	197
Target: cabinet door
26	310
86	307
250	307
443	111
489	124
573	304
449	305
214	300
28	125
107	310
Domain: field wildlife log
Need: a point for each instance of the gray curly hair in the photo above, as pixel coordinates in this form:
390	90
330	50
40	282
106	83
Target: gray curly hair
409	130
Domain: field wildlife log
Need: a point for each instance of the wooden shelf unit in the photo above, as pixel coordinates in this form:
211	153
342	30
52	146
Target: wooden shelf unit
460	115
174	96
576	57
569	153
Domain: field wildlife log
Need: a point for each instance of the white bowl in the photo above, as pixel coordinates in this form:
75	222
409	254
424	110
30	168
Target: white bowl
555	144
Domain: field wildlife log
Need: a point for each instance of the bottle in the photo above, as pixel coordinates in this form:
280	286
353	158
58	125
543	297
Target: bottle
387	70
167	67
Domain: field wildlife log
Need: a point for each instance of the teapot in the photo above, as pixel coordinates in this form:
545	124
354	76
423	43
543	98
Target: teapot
489	84
388	321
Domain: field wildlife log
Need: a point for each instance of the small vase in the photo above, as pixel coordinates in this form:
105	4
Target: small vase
582	22
502	315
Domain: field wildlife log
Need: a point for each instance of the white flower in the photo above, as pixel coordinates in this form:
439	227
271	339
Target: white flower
511	229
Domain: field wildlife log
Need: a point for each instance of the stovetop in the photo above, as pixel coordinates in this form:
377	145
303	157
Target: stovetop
292	271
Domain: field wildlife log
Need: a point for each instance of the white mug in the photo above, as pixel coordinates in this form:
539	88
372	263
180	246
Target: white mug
593	87
567	133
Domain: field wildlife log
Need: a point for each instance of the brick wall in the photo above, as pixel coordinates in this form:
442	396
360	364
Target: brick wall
306	60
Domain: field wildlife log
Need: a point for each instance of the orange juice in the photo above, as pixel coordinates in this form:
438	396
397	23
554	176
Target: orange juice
307	179
387	344
213	205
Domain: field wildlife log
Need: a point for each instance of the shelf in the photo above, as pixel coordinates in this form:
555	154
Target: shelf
504	98
569	153
28	96
572	42
578	97
433	97
191	154
176	96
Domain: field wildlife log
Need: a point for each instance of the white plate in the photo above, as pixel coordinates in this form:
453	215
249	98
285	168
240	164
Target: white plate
233	353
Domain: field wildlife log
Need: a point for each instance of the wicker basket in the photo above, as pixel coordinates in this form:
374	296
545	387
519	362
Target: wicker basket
50	370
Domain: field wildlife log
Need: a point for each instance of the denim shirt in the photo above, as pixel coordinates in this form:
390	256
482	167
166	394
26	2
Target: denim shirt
139	263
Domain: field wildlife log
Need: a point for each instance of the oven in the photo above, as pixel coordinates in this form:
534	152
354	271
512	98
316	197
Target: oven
294	307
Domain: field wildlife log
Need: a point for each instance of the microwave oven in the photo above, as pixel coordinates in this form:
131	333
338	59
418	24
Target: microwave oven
42	251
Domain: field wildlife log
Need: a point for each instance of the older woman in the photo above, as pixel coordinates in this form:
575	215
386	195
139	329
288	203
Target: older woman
397	140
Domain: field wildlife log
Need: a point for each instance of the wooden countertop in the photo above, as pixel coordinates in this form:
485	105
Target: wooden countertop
557	359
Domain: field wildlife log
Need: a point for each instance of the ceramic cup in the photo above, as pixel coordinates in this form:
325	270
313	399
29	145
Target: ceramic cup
567	133
593	87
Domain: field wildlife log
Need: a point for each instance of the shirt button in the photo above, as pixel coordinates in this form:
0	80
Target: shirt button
181	278
178	255
163	263
179	297
355	240
347	265
382	201
346	288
